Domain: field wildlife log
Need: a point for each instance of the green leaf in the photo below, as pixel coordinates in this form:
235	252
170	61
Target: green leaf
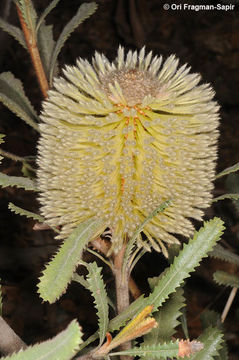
18	181
212	340
211	318
84	11
219	252
13	31
46	45
183	264
12	95
97	288
46	12
159	351
62	347
223	278
226	196
131	243
167	319
28	13
59	272
30	215
228	170
188	258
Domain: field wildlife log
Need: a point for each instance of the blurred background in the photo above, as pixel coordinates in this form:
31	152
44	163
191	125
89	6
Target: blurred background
209	42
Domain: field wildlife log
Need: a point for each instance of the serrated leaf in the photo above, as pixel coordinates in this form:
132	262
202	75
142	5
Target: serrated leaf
226	196
228	170
224	278
13	31
18	181
84	11
210	318
97	288
219	252
167	319
46	12
19	211
62	347
188	258
46	45
59	272
211	339
28	12
12	95
159	351
183	264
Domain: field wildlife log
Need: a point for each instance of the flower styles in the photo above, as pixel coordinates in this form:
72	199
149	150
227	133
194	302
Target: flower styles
119	138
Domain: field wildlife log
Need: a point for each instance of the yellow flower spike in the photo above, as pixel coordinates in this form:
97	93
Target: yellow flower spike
120	138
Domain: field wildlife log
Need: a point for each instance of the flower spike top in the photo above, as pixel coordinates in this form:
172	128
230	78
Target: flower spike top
120	138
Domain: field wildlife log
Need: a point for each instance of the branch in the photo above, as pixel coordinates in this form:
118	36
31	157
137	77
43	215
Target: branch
34	53
10	342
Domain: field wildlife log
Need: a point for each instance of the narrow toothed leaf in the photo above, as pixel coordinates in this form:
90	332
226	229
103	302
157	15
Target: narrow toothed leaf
62	347
19	211
226	196
13	31
220	253
18	181
223	278
228	170
84	11
12	95
46	45
167	319
212	339
59	272
46	12
159	351
97	288
186	262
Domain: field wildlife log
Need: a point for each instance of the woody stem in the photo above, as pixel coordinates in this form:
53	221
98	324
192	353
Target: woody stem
31	42
122	291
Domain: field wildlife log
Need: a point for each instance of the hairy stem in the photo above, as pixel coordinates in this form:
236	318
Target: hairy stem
34	53
122	292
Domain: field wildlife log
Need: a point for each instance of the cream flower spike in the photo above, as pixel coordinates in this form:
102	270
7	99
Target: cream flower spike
118	139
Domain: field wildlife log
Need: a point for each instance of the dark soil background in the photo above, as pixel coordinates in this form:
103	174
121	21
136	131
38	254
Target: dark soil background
209	42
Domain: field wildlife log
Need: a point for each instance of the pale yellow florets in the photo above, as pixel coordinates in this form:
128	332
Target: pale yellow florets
118	139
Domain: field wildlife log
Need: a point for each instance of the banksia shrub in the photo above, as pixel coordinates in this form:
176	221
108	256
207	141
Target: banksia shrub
119	138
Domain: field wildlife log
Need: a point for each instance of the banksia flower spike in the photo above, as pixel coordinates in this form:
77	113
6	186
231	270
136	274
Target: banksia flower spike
119	138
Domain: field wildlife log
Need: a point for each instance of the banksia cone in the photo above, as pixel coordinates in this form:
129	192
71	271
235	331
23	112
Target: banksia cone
118	139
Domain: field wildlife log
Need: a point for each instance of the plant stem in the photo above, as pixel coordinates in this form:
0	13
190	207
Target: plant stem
34	53
228	304
122	292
